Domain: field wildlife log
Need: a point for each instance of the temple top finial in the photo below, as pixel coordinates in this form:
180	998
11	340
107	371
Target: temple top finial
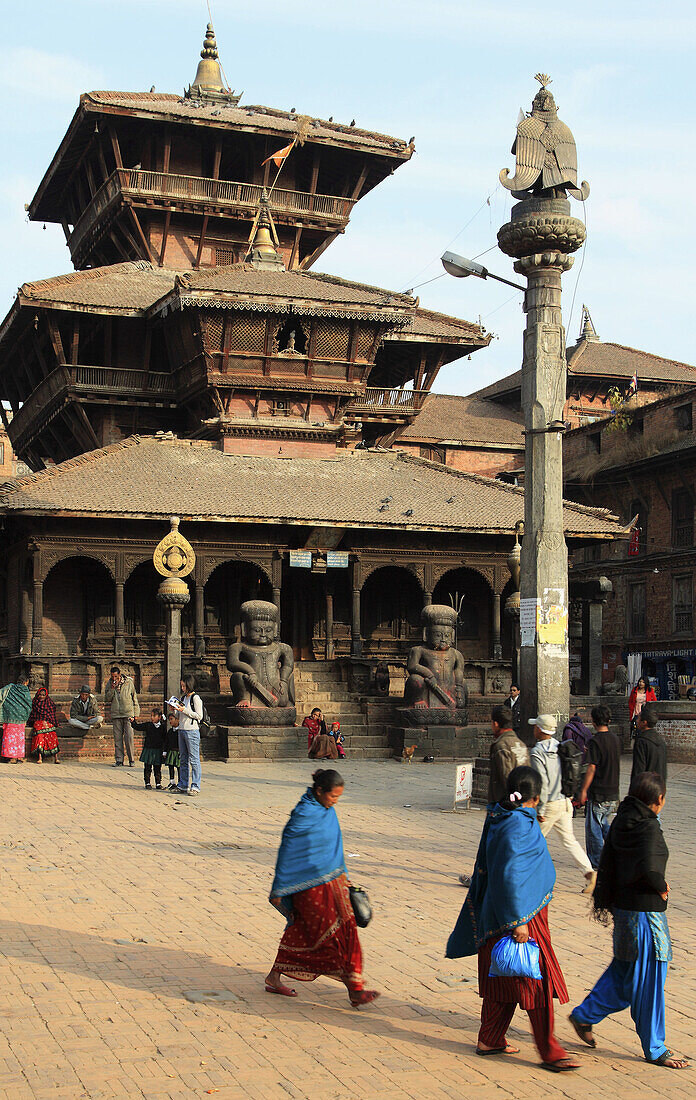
262	250
587	329
541	77
209	83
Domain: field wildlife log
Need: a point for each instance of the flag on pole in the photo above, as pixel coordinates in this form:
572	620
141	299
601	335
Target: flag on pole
633	388
280	156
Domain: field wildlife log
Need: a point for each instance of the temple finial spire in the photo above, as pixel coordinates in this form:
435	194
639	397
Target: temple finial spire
587	329
263	239
209	82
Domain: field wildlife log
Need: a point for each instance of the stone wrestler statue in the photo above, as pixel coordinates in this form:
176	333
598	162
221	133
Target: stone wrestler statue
262	668
436	668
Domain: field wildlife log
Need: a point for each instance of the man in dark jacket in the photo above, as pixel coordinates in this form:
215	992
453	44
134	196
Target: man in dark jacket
649	747
507	752
600	788
514	702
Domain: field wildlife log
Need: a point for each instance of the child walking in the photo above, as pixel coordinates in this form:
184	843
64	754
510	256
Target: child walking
172	746
153	746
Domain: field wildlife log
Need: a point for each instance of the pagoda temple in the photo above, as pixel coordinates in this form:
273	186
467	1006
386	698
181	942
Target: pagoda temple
194	364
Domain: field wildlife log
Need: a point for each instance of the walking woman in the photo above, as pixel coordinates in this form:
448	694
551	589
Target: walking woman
631	886
511	888
310	889
44	723
16	708
640	695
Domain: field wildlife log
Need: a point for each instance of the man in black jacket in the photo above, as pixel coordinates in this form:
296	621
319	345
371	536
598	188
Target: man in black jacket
650	747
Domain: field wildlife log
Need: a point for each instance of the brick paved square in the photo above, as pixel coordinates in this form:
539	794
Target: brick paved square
119	908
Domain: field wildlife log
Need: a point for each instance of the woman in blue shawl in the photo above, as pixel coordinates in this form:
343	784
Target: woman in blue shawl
511	887
310	889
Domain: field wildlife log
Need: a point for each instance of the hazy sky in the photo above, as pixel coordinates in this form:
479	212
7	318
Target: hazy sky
454	74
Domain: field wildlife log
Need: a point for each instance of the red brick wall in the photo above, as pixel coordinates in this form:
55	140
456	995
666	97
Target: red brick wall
289	448
473	460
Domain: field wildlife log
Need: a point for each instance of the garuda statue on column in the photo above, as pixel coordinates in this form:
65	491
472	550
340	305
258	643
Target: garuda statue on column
546	161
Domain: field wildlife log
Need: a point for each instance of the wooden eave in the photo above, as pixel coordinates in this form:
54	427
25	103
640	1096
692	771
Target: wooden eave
183	297
79	307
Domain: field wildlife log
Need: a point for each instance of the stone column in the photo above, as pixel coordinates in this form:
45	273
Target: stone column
427	598
37	619
120	621
199	614
496	646
355	626
329	651
174	594
542	256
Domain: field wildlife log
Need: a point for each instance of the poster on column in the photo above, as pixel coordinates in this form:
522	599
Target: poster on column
528	621
553	618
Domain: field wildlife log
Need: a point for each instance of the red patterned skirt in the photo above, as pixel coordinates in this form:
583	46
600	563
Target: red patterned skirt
323	938
526	992
45	739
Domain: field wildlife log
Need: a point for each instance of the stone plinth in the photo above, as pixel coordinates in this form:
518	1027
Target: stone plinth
266	743
443	742
419	717
261	716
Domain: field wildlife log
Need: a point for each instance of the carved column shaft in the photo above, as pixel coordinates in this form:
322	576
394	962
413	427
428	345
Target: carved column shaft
37	619
199	614
496	646
120	621
329	652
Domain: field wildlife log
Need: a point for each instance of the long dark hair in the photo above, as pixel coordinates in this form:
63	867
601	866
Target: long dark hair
190	680
326	779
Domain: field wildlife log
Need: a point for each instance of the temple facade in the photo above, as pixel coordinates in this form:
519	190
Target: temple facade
194	364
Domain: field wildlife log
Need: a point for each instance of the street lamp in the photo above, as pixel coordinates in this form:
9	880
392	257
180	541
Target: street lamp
461	268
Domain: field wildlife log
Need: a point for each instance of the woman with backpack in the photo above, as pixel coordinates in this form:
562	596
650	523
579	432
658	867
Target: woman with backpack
190	708
560	769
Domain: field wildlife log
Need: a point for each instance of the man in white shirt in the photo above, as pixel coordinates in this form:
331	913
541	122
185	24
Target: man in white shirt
555	811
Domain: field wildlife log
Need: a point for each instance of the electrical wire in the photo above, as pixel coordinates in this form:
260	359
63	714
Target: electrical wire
486	202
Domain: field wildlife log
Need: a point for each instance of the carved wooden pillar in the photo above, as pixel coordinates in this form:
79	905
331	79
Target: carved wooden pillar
355	636
497	648
427	597
120	621
277	578
199	615
37	619
329	651
25	613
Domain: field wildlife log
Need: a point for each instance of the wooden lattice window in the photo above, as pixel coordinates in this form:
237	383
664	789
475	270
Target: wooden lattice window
366	338
682	519
248	333
213	329
225	257
332	341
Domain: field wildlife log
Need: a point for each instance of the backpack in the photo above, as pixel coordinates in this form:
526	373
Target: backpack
572	768
205	722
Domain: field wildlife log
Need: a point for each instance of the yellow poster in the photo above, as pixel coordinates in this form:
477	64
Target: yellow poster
552	618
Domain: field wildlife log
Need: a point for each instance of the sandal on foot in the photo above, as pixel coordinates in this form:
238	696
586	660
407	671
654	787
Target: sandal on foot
669	1056
281	990
583	1031
563	1065
507	1049
360	997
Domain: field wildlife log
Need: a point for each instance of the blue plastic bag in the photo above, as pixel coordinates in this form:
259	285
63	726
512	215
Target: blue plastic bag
510	959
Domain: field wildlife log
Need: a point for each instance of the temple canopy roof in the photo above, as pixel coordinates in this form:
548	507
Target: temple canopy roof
449	418
155	477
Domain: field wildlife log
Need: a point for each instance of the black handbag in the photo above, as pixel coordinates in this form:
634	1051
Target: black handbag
361	906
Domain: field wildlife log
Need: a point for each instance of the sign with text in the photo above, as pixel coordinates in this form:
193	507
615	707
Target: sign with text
301	559
528	621
337	559
463	785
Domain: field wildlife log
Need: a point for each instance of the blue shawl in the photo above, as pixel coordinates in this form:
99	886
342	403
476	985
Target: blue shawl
310	853
513	880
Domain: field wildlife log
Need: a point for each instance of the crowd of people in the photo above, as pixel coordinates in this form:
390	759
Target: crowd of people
531	795
171	738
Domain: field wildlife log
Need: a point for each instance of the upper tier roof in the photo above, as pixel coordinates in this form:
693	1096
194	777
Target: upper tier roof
150	477
385	152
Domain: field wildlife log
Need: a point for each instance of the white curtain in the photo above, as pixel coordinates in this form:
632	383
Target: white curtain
635	666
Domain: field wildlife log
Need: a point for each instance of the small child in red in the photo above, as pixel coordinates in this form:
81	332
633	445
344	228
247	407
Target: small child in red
335	732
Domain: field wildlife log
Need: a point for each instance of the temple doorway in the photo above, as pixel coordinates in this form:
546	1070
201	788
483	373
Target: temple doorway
78	608
315	613
227	588
391	602
468	592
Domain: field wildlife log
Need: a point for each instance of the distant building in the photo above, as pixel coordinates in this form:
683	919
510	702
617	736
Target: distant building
644	470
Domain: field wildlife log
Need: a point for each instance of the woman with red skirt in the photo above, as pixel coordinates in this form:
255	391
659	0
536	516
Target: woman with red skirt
310	889
511	888
44	721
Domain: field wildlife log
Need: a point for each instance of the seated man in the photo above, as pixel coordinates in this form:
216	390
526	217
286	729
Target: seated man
84	710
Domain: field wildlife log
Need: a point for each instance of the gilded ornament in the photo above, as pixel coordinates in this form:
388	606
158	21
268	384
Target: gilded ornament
174	555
